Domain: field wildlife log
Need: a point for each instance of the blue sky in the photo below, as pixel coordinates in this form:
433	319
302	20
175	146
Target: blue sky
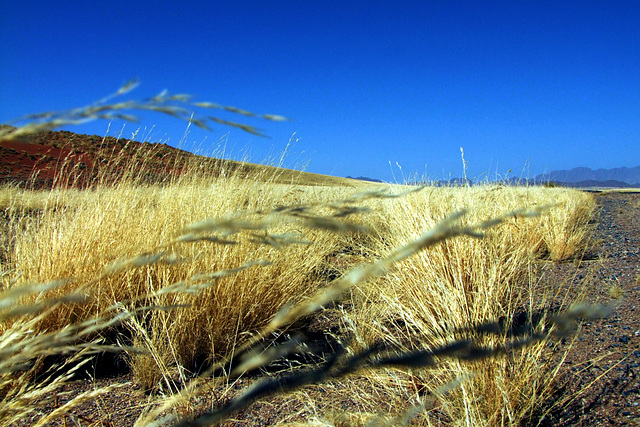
530	86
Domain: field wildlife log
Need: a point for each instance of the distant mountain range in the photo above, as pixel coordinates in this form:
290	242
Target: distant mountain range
580	177
628	176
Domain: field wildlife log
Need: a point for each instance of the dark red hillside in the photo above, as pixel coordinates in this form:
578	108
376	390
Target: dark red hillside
64	158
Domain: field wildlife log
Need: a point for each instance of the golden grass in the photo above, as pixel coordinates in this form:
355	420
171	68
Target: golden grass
435	287
469	281
128	247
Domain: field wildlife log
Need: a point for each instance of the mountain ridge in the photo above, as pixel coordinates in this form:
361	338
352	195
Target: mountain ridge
630	176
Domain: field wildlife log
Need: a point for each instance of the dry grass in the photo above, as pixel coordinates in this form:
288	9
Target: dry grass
437	296
80	239
129	247
180	106
435	288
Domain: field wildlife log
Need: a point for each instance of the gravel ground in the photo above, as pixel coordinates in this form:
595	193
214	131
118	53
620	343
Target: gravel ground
600	374
602	369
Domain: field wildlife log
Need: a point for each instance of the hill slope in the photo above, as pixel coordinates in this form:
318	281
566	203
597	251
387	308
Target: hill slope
64	158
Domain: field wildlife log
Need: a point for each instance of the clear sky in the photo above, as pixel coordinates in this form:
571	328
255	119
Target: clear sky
531	86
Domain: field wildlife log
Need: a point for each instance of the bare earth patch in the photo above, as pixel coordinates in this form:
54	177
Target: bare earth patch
602	369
